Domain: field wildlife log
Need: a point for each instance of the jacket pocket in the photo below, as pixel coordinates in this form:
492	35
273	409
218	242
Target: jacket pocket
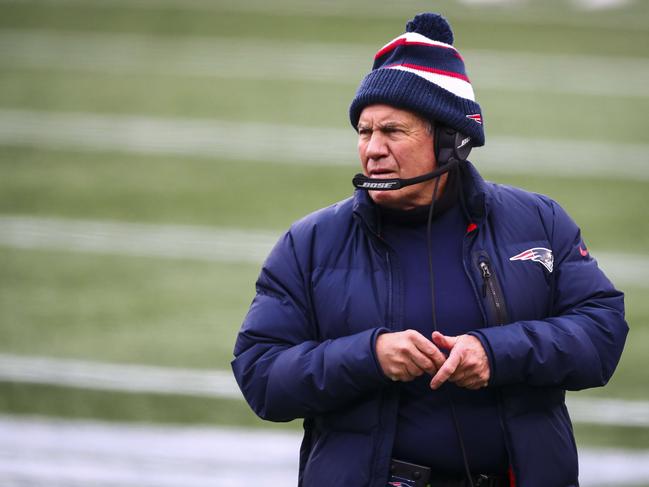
491	290
541	435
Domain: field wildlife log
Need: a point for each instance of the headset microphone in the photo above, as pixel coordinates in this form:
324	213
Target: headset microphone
378	184
451	148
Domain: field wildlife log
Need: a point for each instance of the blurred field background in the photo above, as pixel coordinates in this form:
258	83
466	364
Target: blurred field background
152	150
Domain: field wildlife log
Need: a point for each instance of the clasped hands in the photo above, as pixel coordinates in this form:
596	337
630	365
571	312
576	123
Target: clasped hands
405	355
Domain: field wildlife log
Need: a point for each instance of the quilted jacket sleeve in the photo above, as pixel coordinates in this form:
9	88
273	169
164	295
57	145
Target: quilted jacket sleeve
282	368
580	345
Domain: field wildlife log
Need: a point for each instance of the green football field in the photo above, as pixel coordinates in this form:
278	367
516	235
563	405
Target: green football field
94	95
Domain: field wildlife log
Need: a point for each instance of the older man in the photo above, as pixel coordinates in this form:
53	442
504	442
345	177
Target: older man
426	329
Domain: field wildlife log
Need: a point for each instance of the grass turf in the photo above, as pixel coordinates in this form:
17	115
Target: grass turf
65	402
184	313
582	30
614	119
171	189
109	308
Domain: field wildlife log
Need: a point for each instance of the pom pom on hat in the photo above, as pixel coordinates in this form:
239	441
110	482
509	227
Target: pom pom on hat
433	26
420	71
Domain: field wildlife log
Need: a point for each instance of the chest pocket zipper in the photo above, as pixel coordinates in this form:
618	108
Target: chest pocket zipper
491	289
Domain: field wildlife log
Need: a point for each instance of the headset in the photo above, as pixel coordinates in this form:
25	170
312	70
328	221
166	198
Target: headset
451	148
451	145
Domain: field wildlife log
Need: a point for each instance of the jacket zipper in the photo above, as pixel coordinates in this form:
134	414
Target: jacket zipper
489	287
390	323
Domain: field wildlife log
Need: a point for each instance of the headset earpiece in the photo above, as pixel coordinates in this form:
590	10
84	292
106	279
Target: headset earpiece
451	145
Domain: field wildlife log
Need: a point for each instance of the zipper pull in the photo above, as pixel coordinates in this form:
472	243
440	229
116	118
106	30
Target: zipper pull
486	275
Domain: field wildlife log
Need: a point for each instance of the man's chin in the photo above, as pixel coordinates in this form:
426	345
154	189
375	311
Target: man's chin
391	199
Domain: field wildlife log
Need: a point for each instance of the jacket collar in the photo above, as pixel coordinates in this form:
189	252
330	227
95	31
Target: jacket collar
365	210
475	198
477	194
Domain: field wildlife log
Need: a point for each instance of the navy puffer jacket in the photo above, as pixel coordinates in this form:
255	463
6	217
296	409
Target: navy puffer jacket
330	285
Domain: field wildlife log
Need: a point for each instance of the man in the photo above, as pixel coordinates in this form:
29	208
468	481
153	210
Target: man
428	334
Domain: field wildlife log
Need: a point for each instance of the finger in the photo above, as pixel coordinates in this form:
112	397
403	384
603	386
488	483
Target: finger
412	371
422	362
438	358
397	373
467	367
443	341
474	386
445	371
460	375
467	371
465	381
405	370
429	350
407	355
404	373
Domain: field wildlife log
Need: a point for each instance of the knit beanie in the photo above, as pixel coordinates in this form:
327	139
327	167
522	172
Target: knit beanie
422	72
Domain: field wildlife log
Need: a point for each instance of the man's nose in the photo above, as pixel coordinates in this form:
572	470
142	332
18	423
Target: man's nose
377	146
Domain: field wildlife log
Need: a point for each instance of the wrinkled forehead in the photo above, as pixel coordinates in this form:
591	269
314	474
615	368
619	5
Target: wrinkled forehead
382	114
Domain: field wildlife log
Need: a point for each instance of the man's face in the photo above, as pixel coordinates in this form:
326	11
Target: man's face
394	143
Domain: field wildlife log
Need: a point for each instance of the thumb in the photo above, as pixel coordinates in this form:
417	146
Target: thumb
442	341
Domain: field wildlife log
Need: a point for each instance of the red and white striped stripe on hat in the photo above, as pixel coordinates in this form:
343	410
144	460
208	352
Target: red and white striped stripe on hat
435	61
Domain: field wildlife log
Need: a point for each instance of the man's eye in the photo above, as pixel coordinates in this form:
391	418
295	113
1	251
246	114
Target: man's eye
364	131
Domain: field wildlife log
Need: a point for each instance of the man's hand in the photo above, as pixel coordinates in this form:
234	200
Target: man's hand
467	364
407	354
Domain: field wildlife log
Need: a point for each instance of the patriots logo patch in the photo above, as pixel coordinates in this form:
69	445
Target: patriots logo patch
537	254
476	117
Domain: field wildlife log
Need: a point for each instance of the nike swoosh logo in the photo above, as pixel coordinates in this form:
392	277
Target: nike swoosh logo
583	252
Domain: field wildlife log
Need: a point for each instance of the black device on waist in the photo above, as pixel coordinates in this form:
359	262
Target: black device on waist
406	474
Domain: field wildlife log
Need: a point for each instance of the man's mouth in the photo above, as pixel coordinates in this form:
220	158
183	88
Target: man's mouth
383	174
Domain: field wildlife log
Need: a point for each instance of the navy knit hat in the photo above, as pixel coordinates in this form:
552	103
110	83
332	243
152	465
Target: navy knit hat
422	72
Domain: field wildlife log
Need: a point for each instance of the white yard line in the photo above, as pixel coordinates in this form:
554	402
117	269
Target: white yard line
206	243
190	56
57	453
37	452
118	377
195	137
265	142
612	412
146	240
601	4
625	269
262	59
221	384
